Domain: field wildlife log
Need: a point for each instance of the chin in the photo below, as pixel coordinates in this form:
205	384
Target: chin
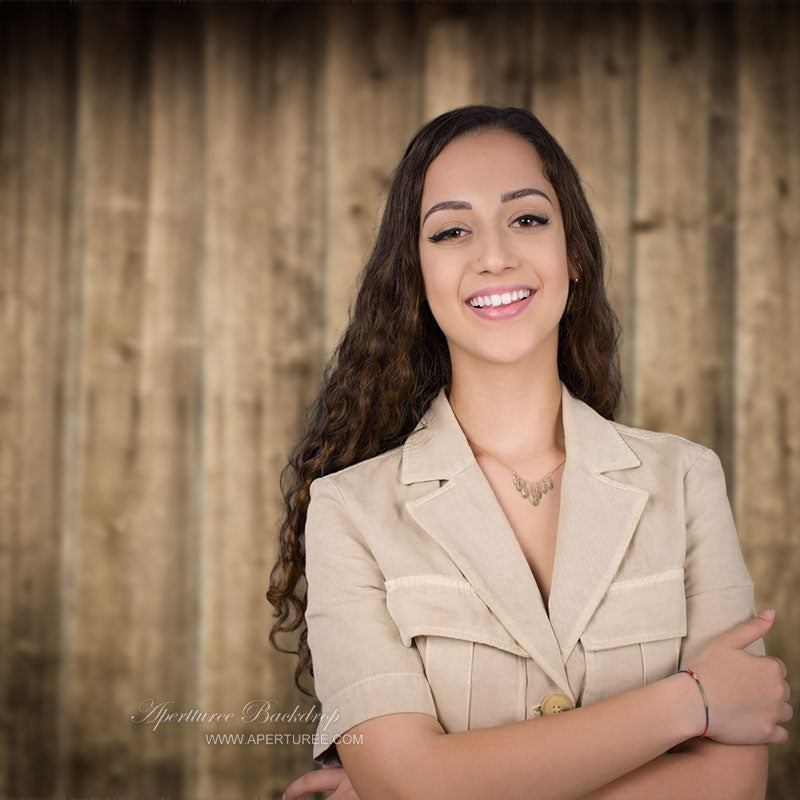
501	349
505	355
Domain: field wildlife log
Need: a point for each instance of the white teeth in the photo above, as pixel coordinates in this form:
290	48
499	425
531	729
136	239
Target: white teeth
499	299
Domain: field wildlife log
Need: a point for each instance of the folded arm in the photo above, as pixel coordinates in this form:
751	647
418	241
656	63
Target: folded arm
701	769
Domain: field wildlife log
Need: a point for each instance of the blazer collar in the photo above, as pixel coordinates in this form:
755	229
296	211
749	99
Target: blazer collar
441	449
597	517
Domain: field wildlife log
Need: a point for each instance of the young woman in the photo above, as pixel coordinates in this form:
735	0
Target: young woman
502	581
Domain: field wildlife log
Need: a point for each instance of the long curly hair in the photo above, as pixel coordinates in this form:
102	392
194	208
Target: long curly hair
393	359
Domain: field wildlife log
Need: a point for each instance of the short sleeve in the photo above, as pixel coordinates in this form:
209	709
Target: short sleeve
719	590
362	669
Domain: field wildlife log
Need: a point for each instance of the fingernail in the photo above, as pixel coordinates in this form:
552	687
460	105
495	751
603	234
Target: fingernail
769	614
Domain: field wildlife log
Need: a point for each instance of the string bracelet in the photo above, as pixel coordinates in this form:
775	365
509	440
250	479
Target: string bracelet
692	674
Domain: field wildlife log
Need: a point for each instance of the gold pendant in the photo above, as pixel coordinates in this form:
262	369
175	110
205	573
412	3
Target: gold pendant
535	491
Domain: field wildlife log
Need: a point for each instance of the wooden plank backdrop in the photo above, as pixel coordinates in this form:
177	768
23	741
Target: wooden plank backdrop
188	193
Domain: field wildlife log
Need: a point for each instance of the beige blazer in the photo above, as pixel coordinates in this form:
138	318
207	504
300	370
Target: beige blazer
420	597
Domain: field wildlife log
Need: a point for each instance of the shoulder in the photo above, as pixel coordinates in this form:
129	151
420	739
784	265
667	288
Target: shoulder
376	475
662	450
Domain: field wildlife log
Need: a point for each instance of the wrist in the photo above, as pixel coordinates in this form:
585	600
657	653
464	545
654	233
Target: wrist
696	678
688	711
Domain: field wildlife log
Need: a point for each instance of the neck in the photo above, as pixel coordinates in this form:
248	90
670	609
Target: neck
516	418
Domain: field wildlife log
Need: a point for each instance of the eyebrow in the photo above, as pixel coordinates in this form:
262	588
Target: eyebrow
504	198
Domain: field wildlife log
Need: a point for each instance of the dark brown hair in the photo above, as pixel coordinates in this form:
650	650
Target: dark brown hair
393	358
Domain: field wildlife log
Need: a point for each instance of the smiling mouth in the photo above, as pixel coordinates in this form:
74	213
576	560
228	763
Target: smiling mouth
498	300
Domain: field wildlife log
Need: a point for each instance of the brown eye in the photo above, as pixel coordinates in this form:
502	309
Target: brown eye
540	219
445	235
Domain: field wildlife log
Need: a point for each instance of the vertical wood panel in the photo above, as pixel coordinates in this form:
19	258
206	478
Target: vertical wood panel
681	381
721	226
584	60
450	72
371	110
500	44
163	526
475	54
36	318
767	329
237	300
113	149
290	358
11	473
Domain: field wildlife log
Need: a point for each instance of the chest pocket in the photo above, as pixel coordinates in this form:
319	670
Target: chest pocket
475	668
634	636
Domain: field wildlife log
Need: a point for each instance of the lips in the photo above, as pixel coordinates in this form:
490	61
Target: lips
496	300
501	312
500	288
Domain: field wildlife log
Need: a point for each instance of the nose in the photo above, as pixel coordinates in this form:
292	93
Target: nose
494	251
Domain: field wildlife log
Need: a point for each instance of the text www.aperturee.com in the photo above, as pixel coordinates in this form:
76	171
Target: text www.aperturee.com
282	738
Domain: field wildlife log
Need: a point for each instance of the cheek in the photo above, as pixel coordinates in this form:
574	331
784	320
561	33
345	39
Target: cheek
441	288
553	258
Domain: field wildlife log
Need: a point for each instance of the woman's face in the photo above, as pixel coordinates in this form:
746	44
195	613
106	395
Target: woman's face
498	231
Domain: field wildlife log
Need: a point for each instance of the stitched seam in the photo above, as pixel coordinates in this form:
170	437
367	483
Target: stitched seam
589	678
361	538
471	661
642	650
663	633
341	497
701	454
647	580
468	635
641	433
722	589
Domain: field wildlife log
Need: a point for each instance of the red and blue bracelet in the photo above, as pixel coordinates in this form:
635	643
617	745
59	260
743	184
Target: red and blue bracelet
692	674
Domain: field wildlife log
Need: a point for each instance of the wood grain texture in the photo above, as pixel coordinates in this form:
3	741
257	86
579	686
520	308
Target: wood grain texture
583	83
261	269
766	440
371	103
474	53
682	374
188	194
112	577
39	313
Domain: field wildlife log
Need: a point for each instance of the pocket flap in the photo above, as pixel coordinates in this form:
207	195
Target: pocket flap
438	605
640	609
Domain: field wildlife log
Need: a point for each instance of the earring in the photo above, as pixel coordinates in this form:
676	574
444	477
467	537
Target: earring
574	284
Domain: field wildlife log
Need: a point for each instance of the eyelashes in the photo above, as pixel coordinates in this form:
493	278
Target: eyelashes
541	219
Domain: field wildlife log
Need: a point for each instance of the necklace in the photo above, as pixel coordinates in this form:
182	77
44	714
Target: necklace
530	491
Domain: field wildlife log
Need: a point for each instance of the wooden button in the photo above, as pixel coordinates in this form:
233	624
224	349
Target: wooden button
556	703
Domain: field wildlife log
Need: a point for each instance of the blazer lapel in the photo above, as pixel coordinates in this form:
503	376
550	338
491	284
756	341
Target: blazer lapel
597	518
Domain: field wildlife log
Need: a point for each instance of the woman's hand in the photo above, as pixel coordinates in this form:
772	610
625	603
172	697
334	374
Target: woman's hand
746	694
327	779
